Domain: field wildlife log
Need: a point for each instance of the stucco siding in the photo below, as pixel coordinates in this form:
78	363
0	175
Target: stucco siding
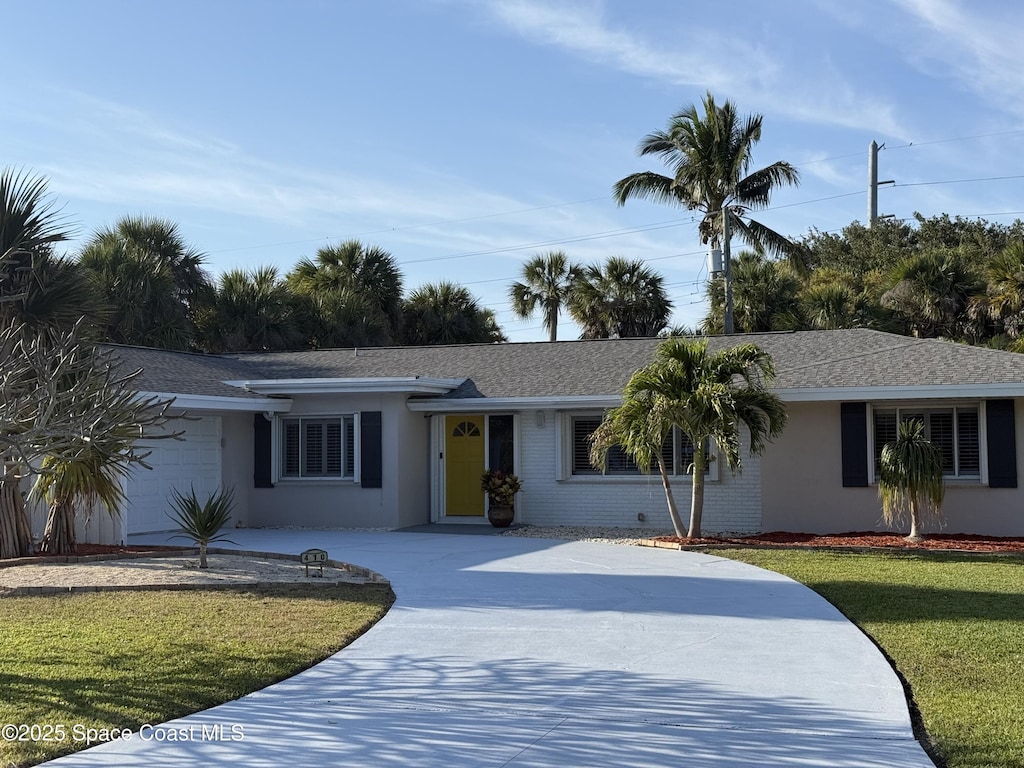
236	459
731	504
345	503
802	487
410	466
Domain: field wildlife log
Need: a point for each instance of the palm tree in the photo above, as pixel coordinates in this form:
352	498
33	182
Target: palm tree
37	288
163	240
1004	301
354	272
548	282
829	306
65	482
764	296
38	294
709	156
910	477
933	293
446	313
706	396
641	425
153	283
142	300
250	312
98	451
624	299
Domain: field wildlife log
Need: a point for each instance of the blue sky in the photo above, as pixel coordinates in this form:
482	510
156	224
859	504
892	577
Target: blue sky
465	137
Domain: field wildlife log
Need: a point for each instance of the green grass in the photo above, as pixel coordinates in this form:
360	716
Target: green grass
121	659
953	625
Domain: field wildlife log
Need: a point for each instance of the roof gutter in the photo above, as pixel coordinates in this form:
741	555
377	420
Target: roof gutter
412	385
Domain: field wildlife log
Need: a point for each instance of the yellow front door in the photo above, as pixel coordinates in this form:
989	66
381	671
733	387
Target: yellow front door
464	463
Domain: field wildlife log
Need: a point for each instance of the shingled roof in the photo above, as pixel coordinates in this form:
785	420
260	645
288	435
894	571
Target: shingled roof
851	358
185	373
804	361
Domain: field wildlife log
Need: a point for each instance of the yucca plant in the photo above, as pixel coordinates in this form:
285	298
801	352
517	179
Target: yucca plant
910	478
202	523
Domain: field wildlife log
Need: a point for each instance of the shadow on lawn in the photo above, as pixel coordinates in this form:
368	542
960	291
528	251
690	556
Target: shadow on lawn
873	602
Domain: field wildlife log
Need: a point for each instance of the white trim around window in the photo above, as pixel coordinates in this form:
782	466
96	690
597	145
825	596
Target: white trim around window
573	450
956	428
316	448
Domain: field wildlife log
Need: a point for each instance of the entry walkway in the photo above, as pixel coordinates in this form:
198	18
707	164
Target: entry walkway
518	652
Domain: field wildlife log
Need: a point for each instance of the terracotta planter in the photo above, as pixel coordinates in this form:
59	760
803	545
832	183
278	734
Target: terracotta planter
501	515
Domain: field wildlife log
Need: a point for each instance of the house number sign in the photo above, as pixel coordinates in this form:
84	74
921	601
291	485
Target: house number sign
315	558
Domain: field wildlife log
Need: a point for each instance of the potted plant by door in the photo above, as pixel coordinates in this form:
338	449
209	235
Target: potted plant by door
501	488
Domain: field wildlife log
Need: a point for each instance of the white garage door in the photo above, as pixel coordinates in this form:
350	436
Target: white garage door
180	464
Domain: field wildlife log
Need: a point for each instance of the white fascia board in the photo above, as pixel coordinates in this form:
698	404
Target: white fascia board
918	392
219	403
479	404
407	384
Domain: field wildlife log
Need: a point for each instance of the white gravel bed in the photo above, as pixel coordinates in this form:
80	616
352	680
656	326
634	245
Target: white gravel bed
628	536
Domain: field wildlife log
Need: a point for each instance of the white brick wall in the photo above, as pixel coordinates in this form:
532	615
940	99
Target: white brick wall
731	504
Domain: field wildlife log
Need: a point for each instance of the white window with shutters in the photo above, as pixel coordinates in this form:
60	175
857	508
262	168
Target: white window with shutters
677	453
320	447
955	430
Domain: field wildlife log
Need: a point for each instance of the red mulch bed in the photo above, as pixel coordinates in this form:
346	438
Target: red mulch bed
934	541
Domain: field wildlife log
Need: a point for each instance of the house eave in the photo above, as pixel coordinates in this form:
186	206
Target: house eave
412	385
221	403
916	392
483	404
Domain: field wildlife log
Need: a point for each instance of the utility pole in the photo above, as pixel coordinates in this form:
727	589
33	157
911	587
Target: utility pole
873	183
727	269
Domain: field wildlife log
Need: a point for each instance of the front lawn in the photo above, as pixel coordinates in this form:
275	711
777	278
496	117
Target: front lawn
121	659
952	624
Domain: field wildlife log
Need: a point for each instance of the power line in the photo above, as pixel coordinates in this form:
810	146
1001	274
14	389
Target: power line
956	181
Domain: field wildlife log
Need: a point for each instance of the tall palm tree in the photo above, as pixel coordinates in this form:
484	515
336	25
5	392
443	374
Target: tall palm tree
352	270
910	477
709	156
622	299
548	282
250	312
708	397
446	313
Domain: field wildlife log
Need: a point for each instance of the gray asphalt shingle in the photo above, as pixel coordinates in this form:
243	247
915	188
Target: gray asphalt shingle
804	360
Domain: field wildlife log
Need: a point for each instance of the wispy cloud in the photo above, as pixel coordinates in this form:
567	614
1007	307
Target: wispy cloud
749	72
982	50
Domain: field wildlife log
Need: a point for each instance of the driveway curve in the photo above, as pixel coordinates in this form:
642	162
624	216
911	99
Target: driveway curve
503	651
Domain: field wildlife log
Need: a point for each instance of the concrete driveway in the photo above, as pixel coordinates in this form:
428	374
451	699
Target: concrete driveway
526	652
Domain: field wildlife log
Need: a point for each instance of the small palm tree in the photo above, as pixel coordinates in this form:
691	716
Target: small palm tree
707	396
548	282
910	477
202	522
88	477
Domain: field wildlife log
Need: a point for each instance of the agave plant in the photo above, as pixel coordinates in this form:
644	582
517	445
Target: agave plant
202	523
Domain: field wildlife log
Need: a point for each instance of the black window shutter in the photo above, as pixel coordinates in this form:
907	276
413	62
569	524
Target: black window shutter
1002	444
262	452
370	459
854	429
